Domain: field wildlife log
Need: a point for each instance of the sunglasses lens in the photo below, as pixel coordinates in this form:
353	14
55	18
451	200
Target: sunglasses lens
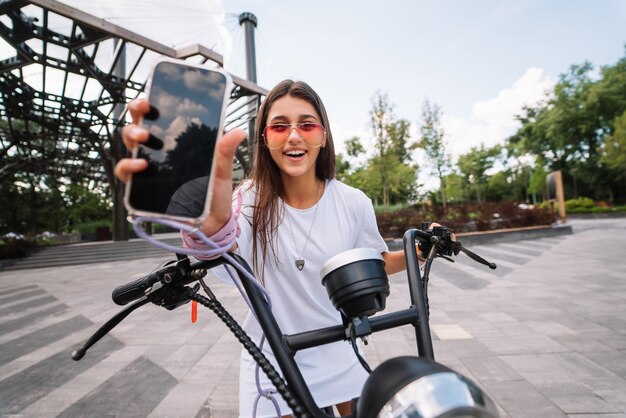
277	130
277	135
309	128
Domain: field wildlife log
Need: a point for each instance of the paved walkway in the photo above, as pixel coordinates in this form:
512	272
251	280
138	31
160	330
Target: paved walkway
545	335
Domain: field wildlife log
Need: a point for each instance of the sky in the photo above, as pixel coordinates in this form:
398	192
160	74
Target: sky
480	60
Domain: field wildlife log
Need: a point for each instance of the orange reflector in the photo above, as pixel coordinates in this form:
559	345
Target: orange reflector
194	311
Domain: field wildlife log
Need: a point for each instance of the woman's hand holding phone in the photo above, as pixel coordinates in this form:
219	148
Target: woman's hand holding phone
131	136
227	145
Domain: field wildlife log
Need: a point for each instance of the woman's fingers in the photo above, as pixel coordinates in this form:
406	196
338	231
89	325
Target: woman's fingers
221	202
137	109
133	134
127	166
432	225
226	149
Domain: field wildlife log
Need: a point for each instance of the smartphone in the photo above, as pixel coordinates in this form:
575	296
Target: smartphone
188	107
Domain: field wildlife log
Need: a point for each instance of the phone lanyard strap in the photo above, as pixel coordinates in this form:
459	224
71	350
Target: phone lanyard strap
206	248
225	237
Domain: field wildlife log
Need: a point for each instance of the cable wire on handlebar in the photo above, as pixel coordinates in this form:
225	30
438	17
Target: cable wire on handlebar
216	251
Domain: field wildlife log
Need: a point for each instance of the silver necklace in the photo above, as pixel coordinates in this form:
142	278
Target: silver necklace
300	261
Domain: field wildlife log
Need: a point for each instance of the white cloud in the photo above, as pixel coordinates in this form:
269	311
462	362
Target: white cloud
169	135
210	83
493	120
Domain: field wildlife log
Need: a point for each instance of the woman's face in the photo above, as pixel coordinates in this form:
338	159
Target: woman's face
295	157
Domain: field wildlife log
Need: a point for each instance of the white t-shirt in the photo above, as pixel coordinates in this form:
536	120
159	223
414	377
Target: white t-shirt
344	220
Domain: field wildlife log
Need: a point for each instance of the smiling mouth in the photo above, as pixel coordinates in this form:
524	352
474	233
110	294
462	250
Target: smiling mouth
295	153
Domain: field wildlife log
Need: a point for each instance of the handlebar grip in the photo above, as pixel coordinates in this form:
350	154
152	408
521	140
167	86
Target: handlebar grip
134	290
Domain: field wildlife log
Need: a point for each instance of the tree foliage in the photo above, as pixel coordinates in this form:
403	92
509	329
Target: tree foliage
475	164
388	176
570	129
381	116
432	141
615	146
456	187
29	207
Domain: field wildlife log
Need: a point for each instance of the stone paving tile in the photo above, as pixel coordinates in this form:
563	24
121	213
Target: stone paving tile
575	398
523	344
522	400
527	250
611	389
31	318
581	345
23	302
65	396
126	385
555	367
8	289
614	361
509	257
16	348
21	390
490	368
550	328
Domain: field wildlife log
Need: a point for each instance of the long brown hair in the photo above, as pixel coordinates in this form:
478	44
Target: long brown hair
266	176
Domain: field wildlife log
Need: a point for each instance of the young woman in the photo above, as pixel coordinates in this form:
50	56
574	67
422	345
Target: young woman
295	216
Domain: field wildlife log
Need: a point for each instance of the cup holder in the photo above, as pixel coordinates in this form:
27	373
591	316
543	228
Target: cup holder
356	282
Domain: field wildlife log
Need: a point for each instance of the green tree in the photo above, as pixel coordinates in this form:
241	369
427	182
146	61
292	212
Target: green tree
354	147
86	205
342	167
395	177
432	141
519	171
475	163
615	146
367	179
398	132
456	186
537	183
381	115
15	207
347	164
499	188
569	129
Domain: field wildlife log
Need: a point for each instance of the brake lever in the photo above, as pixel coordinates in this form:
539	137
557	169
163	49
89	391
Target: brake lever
478	258
445	257
160	295
108	326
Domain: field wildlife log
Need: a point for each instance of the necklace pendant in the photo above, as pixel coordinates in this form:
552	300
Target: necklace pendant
300	264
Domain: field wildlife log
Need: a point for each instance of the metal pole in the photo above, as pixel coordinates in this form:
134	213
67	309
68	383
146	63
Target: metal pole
249	23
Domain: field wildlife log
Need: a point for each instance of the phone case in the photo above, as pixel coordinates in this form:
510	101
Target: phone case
135	212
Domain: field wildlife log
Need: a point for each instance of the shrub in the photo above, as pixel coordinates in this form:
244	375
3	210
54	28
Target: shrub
14	247
91	227
579	205
586	205
463	218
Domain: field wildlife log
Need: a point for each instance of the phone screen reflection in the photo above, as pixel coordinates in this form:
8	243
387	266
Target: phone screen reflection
183	126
